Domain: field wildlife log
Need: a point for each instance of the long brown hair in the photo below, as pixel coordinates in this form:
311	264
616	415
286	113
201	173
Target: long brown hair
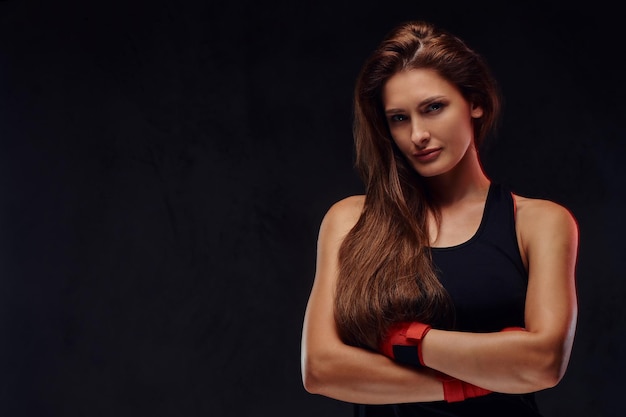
385	269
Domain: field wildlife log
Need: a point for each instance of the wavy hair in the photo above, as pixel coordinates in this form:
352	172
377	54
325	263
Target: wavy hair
385	269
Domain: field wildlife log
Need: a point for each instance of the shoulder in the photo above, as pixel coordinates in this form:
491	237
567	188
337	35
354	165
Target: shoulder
342	215
538	210
540	219
348	207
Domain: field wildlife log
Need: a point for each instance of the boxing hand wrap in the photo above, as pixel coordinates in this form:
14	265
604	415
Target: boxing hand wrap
403	343
455	390
513	329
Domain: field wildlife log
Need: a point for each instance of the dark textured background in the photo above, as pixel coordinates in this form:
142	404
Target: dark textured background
164	168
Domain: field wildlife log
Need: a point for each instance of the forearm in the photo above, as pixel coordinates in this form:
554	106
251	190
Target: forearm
356	375
509	362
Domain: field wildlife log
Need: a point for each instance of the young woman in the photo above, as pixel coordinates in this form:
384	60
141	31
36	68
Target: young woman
438	292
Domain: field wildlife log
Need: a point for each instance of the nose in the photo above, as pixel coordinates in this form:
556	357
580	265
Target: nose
419	135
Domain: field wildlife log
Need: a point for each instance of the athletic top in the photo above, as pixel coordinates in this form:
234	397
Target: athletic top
487	281
485	276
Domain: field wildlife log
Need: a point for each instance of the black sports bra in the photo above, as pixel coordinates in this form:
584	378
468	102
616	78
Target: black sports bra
485	276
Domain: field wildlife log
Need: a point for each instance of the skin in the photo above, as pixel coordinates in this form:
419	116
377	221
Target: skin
426	113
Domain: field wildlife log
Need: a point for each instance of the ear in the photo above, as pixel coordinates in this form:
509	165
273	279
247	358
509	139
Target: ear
477	111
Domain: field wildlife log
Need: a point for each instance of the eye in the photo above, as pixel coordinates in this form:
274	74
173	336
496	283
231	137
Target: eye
434	107
396	118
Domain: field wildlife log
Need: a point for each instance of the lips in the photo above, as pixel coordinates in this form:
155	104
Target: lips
427	154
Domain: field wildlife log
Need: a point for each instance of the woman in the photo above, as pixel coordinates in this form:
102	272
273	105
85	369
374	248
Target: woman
438	292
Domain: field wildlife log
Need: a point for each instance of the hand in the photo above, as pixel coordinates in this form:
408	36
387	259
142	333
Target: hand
402	342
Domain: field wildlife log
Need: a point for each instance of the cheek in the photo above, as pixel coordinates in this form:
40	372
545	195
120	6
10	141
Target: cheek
461	130
403	146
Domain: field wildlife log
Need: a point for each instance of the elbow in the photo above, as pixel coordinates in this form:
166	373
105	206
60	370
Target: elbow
548	370
310	378
314	373
547	378
554	370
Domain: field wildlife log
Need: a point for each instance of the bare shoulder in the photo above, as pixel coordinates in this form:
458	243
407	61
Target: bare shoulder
343	215
350	207
540	217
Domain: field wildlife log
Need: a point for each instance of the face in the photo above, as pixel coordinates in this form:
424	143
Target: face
429	120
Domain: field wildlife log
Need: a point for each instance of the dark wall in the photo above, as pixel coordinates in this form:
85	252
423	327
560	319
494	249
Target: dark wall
164	168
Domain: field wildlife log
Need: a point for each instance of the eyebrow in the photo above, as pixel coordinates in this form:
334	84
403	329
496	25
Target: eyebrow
427	100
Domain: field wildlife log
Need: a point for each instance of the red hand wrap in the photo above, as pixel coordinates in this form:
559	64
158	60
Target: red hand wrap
405	334
415	333
513	329
455	390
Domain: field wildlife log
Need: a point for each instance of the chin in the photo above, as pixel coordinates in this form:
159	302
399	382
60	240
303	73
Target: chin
429	173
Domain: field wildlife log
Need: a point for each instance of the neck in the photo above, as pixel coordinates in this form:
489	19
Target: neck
466	180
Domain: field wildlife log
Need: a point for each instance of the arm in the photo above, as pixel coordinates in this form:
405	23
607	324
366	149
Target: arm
336	370
532	360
